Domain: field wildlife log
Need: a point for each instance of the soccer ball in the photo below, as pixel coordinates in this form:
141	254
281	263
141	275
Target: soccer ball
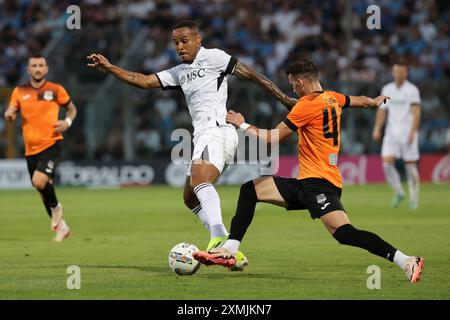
181	260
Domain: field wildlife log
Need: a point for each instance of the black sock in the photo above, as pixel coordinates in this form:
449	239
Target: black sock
349	235
47	208
244	212
49	197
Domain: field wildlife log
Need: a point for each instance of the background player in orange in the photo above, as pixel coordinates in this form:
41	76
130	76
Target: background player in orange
39	102
317	119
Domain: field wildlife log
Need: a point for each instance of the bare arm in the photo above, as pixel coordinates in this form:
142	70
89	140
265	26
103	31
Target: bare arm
415	110
366	102
71	111
244	72
380	118
272	136
71	114
135	79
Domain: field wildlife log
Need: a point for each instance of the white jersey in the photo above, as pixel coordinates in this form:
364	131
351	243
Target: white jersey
204	84
400	118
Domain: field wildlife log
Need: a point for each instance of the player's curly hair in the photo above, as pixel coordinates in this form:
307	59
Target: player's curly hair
303	67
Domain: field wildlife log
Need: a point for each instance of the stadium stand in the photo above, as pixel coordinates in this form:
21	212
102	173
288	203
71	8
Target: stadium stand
263	34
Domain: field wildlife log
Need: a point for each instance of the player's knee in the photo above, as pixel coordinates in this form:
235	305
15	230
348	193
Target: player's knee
248	191
344	234
39	183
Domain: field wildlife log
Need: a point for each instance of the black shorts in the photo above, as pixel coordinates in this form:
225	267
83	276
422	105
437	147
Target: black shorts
319	196
45	161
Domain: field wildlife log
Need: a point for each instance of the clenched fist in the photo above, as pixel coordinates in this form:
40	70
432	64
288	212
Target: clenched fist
236	119
10	114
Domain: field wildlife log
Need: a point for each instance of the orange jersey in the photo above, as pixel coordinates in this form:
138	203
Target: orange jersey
39	109
317	118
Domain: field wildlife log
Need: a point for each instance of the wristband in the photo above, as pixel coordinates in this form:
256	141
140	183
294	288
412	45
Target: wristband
244	126
68	121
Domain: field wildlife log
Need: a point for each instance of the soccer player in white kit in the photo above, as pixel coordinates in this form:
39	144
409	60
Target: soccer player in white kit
203	79
401	134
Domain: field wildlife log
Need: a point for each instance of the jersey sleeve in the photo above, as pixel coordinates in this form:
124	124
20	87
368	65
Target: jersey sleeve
63	97
168	79
414	96
14	99
299	116
342	100
222	61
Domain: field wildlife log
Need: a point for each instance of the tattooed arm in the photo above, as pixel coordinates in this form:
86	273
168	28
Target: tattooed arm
132	78
244	72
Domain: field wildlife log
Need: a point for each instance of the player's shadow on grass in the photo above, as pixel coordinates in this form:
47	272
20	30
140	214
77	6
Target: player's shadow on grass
221	274
137	268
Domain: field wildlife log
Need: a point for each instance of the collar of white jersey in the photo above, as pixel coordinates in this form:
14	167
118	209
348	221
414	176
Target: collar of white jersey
199	53
404	84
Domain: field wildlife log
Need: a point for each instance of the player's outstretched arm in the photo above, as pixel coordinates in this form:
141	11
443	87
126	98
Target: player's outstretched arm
366	102
272	136
244	72
132	78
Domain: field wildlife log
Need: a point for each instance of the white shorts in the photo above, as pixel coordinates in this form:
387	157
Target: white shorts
216	145
393	147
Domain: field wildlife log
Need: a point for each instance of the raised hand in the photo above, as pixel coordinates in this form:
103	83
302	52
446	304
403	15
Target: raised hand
98	61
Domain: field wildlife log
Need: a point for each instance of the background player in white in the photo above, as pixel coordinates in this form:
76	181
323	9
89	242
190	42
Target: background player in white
203	79
401	134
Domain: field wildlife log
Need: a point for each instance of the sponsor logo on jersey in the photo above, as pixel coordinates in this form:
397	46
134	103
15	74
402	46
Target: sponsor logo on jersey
191	76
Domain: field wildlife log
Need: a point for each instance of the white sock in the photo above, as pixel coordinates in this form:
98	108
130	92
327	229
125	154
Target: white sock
412	175
201	215
392	177
232	245
210	203
218	230
400	259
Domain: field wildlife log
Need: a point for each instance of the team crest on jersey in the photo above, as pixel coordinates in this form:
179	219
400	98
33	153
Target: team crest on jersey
182	79
333	159
48	95
321	198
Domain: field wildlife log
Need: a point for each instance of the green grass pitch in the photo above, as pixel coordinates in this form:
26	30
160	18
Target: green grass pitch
121	238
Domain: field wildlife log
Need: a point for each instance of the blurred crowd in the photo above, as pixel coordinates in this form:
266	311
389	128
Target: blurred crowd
262	34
